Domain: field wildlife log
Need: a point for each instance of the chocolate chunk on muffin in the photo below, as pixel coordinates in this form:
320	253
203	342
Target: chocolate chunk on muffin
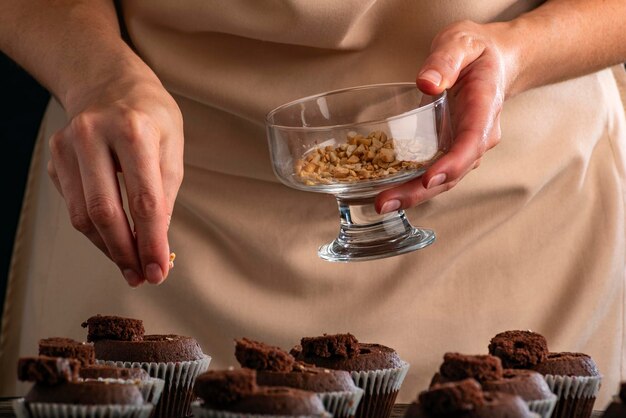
236	391
259	356
47	370
519	349
67	347
109	327
336	345
458	366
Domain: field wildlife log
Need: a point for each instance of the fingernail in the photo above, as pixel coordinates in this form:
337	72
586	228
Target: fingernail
154	274
132	277
436	180
390	206
432	76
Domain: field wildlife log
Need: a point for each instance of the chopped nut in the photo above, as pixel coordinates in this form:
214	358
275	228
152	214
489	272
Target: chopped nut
359	158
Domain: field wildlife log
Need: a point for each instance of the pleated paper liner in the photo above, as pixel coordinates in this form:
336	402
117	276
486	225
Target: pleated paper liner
543	407
576	395
178	377
342	404
59	410
381	388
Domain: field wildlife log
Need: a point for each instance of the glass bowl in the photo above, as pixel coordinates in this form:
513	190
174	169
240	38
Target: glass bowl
354	143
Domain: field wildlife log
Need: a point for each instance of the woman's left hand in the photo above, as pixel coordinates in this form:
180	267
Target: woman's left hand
473	62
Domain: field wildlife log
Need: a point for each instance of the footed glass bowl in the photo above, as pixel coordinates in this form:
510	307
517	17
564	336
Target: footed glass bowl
354	143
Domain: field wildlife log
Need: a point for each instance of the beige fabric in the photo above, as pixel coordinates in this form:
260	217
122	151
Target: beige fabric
533	239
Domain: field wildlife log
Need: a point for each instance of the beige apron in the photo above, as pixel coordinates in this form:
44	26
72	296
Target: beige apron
533	239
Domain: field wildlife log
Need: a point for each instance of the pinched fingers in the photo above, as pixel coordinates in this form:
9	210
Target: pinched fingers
139	156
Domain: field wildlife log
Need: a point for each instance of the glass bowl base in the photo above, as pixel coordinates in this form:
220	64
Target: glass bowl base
414	239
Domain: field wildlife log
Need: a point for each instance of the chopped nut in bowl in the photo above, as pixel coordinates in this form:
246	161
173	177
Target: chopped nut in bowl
353	143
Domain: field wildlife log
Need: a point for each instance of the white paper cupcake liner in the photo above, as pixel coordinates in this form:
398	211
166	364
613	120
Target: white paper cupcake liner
150	388
543	407
178	378
200	412
341	404
381	381
59	410
573	386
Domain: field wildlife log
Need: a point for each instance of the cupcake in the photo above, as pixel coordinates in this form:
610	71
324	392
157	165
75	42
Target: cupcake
375	368
617	408
487	370
58	392
466	399
149	387
573	377
175	359
235	394
275	367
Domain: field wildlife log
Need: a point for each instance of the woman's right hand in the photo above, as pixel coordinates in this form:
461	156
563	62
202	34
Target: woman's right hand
126	122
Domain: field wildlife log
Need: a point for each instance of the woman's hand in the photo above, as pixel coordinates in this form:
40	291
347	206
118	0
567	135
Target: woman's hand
128	123
471	61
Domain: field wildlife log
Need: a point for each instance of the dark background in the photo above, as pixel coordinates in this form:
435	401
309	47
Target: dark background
22	103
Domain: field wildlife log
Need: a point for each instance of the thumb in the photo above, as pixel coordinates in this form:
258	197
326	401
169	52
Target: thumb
450	54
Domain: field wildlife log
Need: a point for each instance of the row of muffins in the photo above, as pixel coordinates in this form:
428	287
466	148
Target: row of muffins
271	381
349	378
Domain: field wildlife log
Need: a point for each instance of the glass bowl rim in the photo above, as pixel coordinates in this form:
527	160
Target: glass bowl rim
438	99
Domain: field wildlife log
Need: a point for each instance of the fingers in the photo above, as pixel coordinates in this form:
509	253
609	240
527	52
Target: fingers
138	153
452	50
67	179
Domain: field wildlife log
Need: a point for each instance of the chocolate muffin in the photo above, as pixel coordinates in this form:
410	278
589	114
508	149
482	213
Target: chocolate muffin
67	347
519	349
575	379
58	392
234	393
466	399
617	408
375	368
458	366
150	387
175	359
487	370
276	367
109	327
